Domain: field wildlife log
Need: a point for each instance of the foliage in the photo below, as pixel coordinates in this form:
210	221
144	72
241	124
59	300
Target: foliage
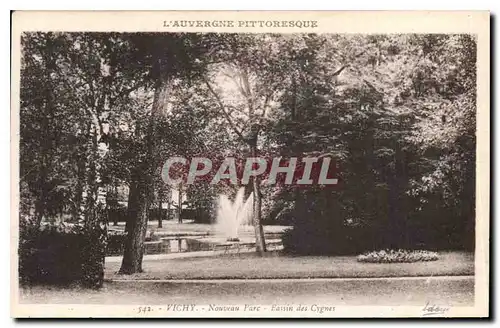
102	111
379	118
116	243
61	256
398	256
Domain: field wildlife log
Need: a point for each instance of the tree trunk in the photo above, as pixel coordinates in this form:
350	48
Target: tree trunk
91	217
80	182
131	203
40	203
115	214
141	195
179	203
45	137
260	242
160	207
136	227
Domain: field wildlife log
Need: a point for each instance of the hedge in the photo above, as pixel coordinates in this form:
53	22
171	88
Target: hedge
52	256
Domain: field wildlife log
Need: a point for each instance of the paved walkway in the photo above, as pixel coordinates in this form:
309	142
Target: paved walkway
442	291
427	279
157	257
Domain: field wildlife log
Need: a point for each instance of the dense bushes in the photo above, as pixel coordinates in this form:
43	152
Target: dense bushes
317	238
398	256
324	228
119	214
55	255
312	240
199	215
116	243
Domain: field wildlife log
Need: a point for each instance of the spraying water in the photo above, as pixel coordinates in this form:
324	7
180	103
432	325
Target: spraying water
232	215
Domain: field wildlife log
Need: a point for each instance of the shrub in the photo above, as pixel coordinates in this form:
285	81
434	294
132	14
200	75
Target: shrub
398	256
116	242
61	255
308	239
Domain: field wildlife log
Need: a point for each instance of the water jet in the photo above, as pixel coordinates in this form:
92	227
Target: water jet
231	215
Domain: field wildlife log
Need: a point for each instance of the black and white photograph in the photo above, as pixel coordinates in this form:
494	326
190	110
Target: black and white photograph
263	165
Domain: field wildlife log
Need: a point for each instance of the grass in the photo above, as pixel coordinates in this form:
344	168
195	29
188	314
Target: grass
276	266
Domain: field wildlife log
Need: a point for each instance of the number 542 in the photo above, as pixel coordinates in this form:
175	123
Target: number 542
144	309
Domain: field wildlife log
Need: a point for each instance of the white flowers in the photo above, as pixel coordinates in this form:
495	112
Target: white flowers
398	256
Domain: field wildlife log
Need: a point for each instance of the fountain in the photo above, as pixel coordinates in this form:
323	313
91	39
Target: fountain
232	215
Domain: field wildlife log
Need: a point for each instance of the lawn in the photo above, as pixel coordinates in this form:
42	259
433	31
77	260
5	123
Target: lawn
276	265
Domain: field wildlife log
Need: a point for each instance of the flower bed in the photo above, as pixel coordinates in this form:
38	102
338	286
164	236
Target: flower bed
398	256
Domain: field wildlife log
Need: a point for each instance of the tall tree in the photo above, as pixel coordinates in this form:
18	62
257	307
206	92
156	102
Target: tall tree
245	85
168	59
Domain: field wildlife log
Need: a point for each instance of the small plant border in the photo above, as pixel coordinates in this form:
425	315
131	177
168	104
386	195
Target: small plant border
397	256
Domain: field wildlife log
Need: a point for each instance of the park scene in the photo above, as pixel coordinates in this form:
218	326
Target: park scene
380	127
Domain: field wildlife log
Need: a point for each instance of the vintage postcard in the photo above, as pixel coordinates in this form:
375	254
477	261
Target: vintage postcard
250	164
